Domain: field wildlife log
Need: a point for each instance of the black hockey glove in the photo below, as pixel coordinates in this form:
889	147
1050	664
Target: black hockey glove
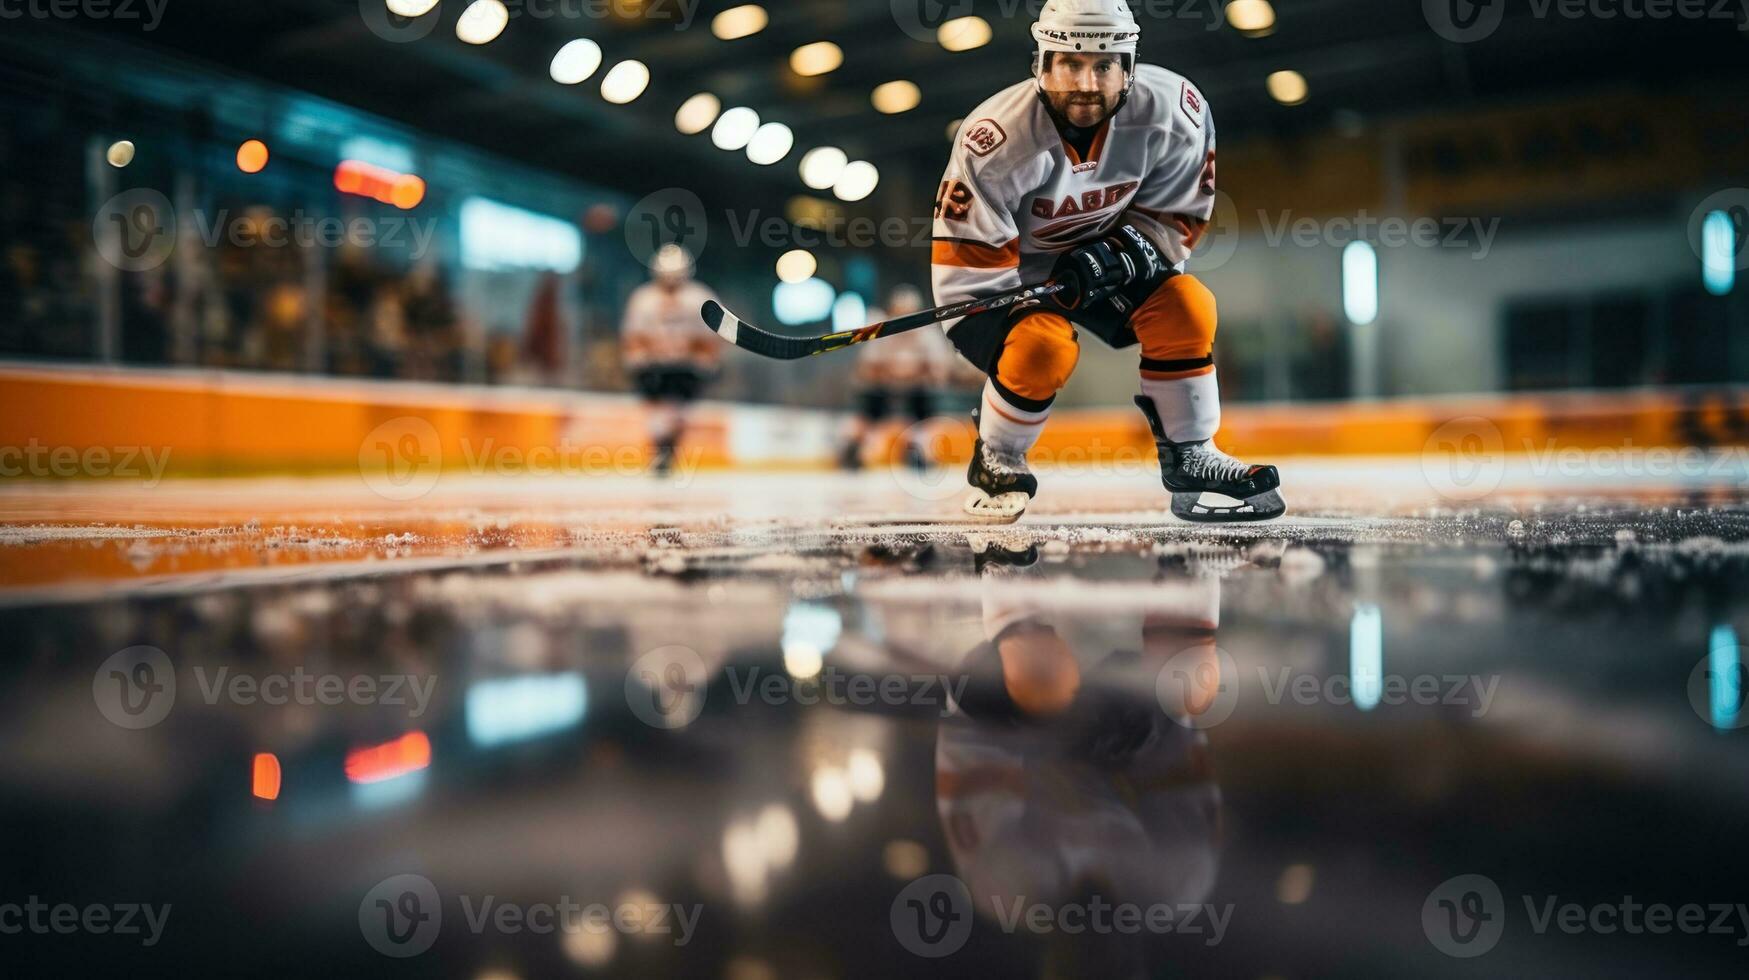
1097	271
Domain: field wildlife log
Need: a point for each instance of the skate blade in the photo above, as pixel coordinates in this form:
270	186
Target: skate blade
1266	506
1004	508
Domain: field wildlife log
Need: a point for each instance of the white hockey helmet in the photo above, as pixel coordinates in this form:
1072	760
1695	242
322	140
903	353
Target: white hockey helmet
1087	26
671	262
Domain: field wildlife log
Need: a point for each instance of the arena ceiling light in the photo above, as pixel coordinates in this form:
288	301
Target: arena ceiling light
896	97
735	128
798	265
818	58
1252	17
576	61
822	166
964	33
697	113
1287	87
410	8
625	82
858	181
482	22
739	22
771	143
953	128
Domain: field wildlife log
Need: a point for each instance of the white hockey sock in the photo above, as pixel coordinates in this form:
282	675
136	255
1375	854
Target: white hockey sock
1190	408
1003	426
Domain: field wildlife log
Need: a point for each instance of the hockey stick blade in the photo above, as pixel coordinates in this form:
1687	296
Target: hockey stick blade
767	344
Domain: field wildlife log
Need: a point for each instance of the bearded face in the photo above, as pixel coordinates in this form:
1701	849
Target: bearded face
1082	89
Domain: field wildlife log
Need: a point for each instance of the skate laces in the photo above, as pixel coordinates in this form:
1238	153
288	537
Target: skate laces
1204	461
1004	462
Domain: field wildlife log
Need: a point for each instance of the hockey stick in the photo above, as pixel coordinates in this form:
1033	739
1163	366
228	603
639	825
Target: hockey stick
767	344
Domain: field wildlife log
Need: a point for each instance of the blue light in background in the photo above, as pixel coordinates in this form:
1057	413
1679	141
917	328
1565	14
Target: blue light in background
1718	260
849	312
1366	655
515	709
382	153
1724	676
808	301
497	237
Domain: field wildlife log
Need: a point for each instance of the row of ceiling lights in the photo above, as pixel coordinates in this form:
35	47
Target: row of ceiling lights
767	143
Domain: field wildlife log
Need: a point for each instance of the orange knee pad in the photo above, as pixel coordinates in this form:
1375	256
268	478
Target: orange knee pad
1038	356
1177	323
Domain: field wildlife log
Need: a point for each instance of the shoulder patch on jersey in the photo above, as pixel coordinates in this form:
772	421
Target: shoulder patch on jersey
1191	102
983	136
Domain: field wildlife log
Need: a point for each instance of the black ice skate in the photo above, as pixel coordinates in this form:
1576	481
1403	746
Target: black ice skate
1192	470
1002	485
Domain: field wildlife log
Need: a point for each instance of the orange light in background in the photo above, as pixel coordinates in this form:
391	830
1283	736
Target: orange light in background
266	776
407	193
252	157
375	763
404	191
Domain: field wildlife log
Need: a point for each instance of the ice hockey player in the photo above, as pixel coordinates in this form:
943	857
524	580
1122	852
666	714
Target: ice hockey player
897	377
1099	173
669	354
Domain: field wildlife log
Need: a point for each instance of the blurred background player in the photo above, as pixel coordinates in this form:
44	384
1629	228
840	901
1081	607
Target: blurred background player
898	377
670	353
1099	173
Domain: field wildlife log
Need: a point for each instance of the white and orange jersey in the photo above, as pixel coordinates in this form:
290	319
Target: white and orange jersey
663	326
1015	195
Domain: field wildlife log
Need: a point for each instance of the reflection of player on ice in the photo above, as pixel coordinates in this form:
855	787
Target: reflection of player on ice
1098	173
897	377
668	353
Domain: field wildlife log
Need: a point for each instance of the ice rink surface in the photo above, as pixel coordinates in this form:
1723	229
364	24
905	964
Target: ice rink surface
790	700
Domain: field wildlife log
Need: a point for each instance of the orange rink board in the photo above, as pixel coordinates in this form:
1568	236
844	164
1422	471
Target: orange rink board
94	422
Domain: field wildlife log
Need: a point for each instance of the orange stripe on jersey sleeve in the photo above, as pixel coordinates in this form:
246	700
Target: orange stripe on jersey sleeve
975	255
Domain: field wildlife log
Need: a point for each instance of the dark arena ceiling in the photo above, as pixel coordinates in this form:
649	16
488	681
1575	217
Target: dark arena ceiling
1363	60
